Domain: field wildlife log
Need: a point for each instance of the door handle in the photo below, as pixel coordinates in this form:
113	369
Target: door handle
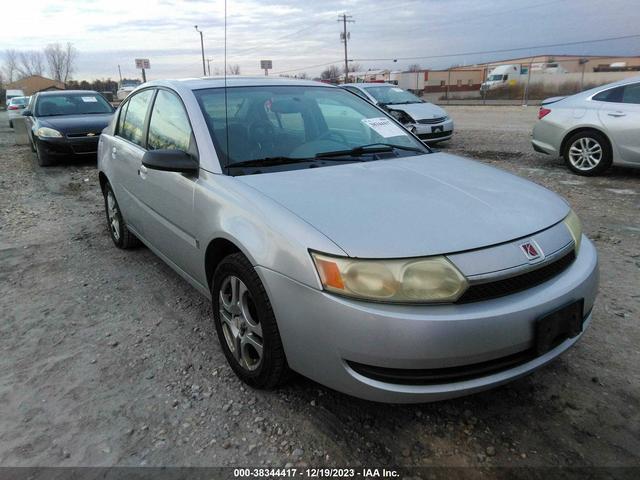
114	151
616	114
142	171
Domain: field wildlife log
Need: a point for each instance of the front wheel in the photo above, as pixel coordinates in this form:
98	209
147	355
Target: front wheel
120	234
43	159
246	324
588	153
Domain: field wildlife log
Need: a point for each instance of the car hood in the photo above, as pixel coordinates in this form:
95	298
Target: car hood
415	206
77	123
419	111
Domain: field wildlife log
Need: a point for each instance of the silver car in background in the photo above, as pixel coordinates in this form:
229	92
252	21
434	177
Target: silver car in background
593	129
15	107
428	121
333	243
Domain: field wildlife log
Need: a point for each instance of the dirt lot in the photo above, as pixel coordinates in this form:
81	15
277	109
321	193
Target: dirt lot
109	358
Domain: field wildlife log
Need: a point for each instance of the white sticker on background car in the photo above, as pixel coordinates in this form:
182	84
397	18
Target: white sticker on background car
383	127
89	99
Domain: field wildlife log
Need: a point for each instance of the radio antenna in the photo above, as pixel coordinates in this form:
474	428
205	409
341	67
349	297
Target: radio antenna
226	111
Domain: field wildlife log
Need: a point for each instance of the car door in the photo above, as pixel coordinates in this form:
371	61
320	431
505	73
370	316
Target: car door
167	197
126	151
620	114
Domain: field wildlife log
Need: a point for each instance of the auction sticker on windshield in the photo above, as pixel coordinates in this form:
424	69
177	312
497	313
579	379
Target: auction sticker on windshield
89	99
383	127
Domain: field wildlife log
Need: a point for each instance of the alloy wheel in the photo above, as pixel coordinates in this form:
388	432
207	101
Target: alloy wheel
114	216
240	324
585	153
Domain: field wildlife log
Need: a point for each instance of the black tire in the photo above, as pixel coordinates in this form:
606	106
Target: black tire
272	369
588	136
120	234
43	159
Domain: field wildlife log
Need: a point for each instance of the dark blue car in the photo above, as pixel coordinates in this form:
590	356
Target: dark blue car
66	123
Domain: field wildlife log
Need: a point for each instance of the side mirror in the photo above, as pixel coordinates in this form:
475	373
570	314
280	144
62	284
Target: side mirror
27	113
170	161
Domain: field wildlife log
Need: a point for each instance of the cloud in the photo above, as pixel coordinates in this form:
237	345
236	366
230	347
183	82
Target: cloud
296	34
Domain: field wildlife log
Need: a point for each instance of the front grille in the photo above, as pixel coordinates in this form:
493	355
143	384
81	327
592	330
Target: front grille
507	286
431	136
431	121
433	376
83	135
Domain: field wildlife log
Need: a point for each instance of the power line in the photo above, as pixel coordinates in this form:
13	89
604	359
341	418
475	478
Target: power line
307	67
503	50
438	26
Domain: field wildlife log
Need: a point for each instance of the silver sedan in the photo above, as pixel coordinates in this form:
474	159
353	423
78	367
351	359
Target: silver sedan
427	121
593	129
334	243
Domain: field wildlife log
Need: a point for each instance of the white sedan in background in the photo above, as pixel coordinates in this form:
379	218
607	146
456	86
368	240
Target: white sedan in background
428	121
593	129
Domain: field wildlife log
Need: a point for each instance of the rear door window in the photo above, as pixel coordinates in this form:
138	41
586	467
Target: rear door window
134	118
169	126
613	95
631	94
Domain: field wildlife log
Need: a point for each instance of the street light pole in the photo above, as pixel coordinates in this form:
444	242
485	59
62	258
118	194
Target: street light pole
204	70
209	66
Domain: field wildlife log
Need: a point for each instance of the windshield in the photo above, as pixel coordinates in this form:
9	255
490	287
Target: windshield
391	95
72	104
495	78
292	122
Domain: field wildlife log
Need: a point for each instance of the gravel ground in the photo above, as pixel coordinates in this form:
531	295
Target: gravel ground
109	358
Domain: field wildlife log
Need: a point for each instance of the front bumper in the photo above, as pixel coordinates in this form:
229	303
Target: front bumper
321	333
64	146
431	133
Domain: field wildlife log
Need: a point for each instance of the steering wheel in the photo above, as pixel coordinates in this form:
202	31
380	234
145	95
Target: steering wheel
261	134
336	136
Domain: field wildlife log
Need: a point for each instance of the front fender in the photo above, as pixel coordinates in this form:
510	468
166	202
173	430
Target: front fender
268	234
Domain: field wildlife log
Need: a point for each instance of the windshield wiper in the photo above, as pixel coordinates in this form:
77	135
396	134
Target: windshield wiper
268	161
370	148
274	161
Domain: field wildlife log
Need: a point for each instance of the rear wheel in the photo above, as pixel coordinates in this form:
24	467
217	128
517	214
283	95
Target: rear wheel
120	234
588	153
246	324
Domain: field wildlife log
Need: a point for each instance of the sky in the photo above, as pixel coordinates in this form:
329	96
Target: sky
303	35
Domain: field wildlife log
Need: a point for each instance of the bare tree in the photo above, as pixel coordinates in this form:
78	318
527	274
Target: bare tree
30	63
330	73
10	66
61	60
233	69
355	67
414	67
303	75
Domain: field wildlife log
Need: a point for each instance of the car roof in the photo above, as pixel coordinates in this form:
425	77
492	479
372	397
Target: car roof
66	92
369	84
231	81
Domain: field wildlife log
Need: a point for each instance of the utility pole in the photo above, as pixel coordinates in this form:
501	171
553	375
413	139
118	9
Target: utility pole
204	70
120	73
344	18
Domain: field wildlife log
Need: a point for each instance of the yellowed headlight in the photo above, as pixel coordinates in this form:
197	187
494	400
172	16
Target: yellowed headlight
573	223
432	279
